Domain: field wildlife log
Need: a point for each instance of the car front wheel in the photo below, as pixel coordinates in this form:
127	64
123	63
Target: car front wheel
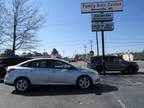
84	82
22	84
132	70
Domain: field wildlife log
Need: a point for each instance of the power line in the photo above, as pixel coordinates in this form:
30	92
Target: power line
85	49
107	41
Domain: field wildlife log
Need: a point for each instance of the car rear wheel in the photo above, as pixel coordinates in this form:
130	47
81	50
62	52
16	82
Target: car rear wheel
84	82
22	84
123	72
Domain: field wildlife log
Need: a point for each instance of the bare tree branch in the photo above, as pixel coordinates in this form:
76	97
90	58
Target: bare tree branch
22	23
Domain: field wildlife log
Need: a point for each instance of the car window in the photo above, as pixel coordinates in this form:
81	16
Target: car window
39	64
36	64
60	65
113	59
109	59
117	60
26	64
96	59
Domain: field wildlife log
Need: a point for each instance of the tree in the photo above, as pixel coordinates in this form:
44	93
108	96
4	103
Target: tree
2	22
35	53
76	58
22	23
7	53
45	54
29	55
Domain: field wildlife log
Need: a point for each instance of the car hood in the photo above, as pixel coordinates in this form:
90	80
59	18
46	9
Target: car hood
134	63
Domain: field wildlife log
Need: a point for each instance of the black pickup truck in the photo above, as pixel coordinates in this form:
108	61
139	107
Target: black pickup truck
113	63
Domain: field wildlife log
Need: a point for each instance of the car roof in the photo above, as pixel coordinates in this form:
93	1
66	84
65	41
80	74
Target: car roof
44	59
47	59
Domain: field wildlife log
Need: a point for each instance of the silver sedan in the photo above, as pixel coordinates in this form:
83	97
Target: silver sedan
44	71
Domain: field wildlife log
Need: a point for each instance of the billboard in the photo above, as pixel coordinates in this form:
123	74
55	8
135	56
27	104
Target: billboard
102	17
102	26
107	6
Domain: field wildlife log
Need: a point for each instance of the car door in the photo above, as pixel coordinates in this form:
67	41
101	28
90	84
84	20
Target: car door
113	63
109	63
39	72
62	73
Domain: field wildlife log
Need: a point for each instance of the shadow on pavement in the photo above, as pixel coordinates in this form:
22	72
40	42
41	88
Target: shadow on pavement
67	90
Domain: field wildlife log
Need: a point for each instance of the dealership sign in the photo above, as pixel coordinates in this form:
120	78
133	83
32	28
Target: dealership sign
102	17
105	26
107	6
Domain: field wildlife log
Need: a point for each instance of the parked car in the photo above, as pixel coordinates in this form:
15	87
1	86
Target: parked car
113	63
44	71
5	62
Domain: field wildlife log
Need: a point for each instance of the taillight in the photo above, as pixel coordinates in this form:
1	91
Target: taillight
9	70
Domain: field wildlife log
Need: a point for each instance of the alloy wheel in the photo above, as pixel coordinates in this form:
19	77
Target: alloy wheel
22	85
84	82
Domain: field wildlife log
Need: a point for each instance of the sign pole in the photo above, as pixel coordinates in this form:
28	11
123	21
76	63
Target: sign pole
103	52
97	43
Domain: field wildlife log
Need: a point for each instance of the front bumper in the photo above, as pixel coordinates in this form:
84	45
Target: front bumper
97	81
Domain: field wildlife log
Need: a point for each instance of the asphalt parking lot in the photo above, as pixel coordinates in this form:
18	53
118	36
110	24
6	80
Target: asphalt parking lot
115	91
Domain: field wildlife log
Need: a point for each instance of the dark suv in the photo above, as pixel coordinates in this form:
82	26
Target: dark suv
113	63
5	62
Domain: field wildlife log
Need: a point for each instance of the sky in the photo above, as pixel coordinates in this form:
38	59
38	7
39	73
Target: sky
67	30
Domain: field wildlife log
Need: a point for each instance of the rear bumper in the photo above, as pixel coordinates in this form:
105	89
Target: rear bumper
8	80
8	84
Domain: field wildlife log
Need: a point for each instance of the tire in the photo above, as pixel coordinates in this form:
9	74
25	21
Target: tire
123	72
131	70
84	82
22	84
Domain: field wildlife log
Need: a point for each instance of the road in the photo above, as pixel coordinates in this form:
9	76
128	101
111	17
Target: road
115	91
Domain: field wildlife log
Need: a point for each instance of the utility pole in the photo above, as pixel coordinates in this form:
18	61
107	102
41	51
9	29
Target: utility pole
85	47
91	44
97	43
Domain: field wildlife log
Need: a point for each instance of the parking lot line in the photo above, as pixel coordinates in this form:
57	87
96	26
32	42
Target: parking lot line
119	100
